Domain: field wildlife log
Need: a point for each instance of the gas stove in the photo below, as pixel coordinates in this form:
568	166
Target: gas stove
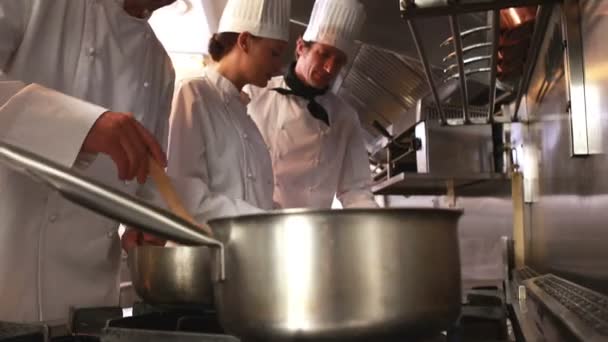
483	319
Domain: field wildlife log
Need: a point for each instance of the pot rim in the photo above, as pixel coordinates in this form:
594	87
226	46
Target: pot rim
456	213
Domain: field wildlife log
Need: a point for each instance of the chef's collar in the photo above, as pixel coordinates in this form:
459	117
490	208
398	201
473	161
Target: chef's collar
227	90
300	89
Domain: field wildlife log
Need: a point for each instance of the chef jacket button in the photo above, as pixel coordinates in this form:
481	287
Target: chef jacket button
245	136
110	234
91	52
250	176
146	84
53	218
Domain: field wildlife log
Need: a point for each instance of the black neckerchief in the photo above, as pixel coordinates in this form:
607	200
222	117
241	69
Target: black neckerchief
298	88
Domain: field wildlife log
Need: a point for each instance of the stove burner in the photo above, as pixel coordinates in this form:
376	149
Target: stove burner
165	326
188	327
171	321
15	332
483	319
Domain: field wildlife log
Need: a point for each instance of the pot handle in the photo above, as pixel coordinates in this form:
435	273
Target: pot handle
107	201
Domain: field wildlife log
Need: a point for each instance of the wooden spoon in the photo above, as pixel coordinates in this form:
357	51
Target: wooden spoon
167	191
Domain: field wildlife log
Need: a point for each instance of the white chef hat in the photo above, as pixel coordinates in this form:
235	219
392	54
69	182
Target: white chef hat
336	23
261	18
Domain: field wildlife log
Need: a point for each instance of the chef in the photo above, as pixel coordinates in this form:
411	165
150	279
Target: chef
217	156
87	85
314	137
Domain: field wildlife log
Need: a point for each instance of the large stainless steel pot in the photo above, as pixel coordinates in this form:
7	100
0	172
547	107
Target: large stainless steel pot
172	276
312	275
302	275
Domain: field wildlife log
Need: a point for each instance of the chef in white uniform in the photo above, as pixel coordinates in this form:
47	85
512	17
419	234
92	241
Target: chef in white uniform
314	137
71	71
217	157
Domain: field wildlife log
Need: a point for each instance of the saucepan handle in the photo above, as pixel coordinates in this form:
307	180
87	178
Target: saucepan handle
107	201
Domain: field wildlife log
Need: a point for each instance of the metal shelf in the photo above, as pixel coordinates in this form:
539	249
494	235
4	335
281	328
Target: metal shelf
479	184
433	8
415	9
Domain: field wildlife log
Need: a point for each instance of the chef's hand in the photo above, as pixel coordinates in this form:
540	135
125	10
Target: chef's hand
127	142
133	238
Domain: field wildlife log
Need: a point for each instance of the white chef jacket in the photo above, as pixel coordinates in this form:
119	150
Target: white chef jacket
55	254
217	157
311	161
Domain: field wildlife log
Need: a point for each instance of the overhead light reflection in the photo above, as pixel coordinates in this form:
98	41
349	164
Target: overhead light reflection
297	248
514	16
594	108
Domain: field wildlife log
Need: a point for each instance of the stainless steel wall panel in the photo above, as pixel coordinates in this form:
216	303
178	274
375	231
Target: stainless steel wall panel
566	227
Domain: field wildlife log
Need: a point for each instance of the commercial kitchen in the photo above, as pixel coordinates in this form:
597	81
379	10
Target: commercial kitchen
483	121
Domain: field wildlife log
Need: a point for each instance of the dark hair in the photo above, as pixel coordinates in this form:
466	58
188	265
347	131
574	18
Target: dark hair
307	44
220	44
